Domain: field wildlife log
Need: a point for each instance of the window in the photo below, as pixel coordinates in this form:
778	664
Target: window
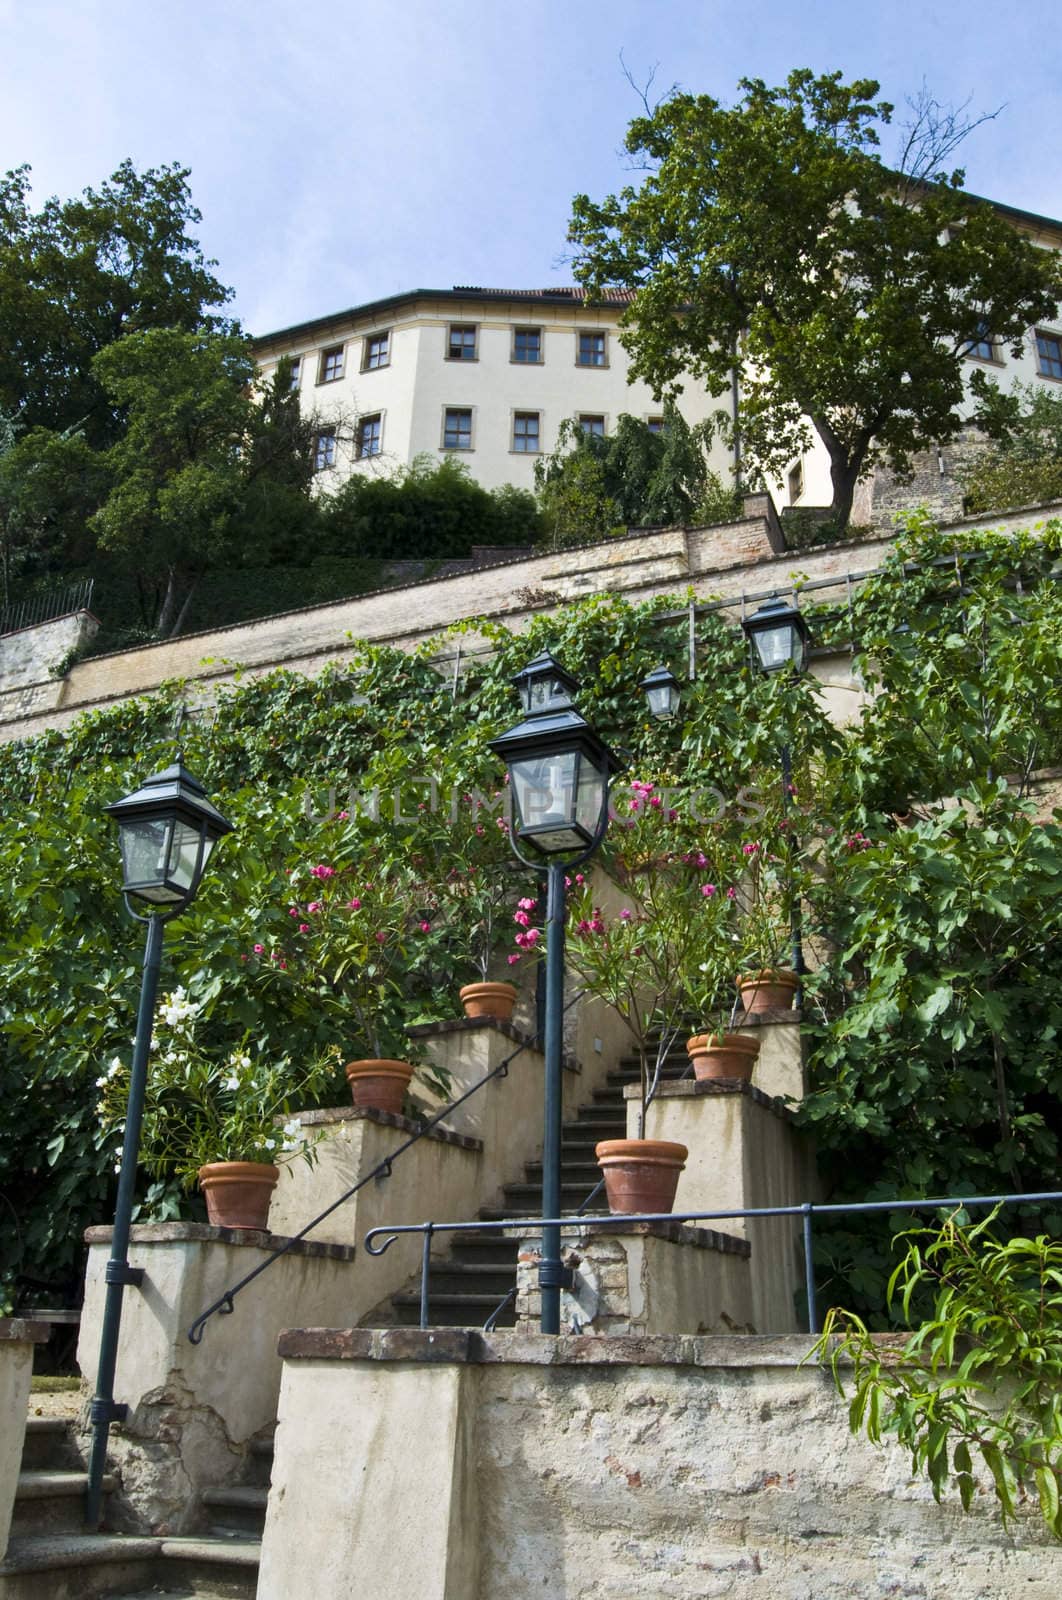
655	424
368	436
1049	354
324	450
331	367
590	350
592	425
296	371
796	482
457	429
982	348
527	344
525	432
462	343
377	351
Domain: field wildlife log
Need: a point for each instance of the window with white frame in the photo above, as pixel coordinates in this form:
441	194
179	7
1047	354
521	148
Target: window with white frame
457	428
525	432
296	371
983	348
461	344
1048	354
796	482
331	365
591	350
369	436
324	450
377	351
592	424
655	424
527	345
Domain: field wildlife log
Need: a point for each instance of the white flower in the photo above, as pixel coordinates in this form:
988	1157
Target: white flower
101	1083
231	1083
293	1128
115	1067
269	1144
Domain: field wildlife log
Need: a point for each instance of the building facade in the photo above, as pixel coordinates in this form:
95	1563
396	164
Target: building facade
489	375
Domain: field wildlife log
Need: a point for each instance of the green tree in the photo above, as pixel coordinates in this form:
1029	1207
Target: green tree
206	472
769	237
50	484
593	484
1022	465
79	274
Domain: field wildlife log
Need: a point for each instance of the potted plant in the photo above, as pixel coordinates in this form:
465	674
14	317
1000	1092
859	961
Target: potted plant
476	898
215	1115
765	894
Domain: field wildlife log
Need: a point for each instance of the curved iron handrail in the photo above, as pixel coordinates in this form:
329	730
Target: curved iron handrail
376	1244
224	1306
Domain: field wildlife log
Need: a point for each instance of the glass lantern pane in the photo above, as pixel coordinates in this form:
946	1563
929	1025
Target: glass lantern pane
775	646
145	846
590	796
544	790
184	857
663	700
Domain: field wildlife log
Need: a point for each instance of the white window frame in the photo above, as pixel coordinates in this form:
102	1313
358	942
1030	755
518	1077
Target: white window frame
329	351
591	333
381	336
370	416
458	449
516	416
462	327
519	361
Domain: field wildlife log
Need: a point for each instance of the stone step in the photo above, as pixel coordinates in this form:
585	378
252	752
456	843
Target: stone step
210	1566
77	1566
531	1213
48	1502
240	1509
453	1310
573	1171
492	1248
49	1445
259	1462
472	1277
523	1195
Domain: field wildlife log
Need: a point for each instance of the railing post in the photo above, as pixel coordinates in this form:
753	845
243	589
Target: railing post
809	1270
551	1272
425	1273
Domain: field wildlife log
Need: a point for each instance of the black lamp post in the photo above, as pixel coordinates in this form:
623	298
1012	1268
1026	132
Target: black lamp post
559	772
167	830
779	641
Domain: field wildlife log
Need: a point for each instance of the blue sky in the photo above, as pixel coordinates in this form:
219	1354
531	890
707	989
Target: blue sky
346	152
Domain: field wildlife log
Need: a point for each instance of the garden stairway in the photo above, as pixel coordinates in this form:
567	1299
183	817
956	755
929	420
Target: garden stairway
51	1557
479	1271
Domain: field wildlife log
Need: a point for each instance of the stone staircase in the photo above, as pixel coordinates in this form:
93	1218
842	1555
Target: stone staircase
480	1269
51	1557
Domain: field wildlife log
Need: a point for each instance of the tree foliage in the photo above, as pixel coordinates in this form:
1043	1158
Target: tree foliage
980	1379
1022	464
769	236
596	484
80	274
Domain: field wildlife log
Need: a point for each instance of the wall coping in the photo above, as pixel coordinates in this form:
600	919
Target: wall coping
470	1347
708	1088
205	1233
681	1233
328	1115
436	1030
21	1330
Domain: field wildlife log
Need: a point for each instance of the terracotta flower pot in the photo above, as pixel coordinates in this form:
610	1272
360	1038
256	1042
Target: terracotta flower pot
488	1000
640	1174
723	1055
770	989
379	1085
237	1193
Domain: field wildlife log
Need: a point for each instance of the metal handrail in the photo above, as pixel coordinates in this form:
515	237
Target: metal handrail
806	1210
224	1304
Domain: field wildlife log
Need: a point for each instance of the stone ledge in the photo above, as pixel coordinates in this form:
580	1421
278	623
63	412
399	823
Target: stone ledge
685	1233
436	1030
24	1330
470	1347
693	1089
204	1233
790	1016
387	1119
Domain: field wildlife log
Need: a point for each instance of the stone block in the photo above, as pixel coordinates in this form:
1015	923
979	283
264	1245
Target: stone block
17	1339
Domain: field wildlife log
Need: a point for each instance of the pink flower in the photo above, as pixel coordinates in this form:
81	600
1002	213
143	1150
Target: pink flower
749	849
321	871
480	830
425	927
259	949
304	927
293	911
527	905
522	918
284	964
707	889
512	960
243	958
532	936
342	816
625	915
354	905
381	937
655	800
579	878
314	905
597	926
731	894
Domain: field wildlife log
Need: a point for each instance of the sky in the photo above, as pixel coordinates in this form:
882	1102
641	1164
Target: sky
346	152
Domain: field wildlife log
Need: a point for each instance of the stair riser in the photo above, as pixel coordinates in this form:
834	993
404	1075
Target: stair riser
448	1281
52	1514
80	1582
407	1317
50	1450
